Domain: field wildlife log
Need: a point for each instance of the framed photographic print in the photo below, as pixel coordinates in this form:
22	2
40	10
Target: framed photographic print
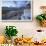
17	10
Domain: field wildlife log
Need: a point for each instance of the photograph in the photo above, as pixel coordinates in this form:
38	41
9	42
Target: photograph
17	10
23	23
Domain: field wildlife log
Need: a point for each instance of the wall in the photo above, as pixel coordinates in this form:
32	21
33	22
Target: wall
26	28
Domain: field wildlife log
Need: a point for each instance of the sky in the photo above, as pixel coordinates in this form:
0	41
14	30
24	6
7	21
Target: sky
14	0
14	4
